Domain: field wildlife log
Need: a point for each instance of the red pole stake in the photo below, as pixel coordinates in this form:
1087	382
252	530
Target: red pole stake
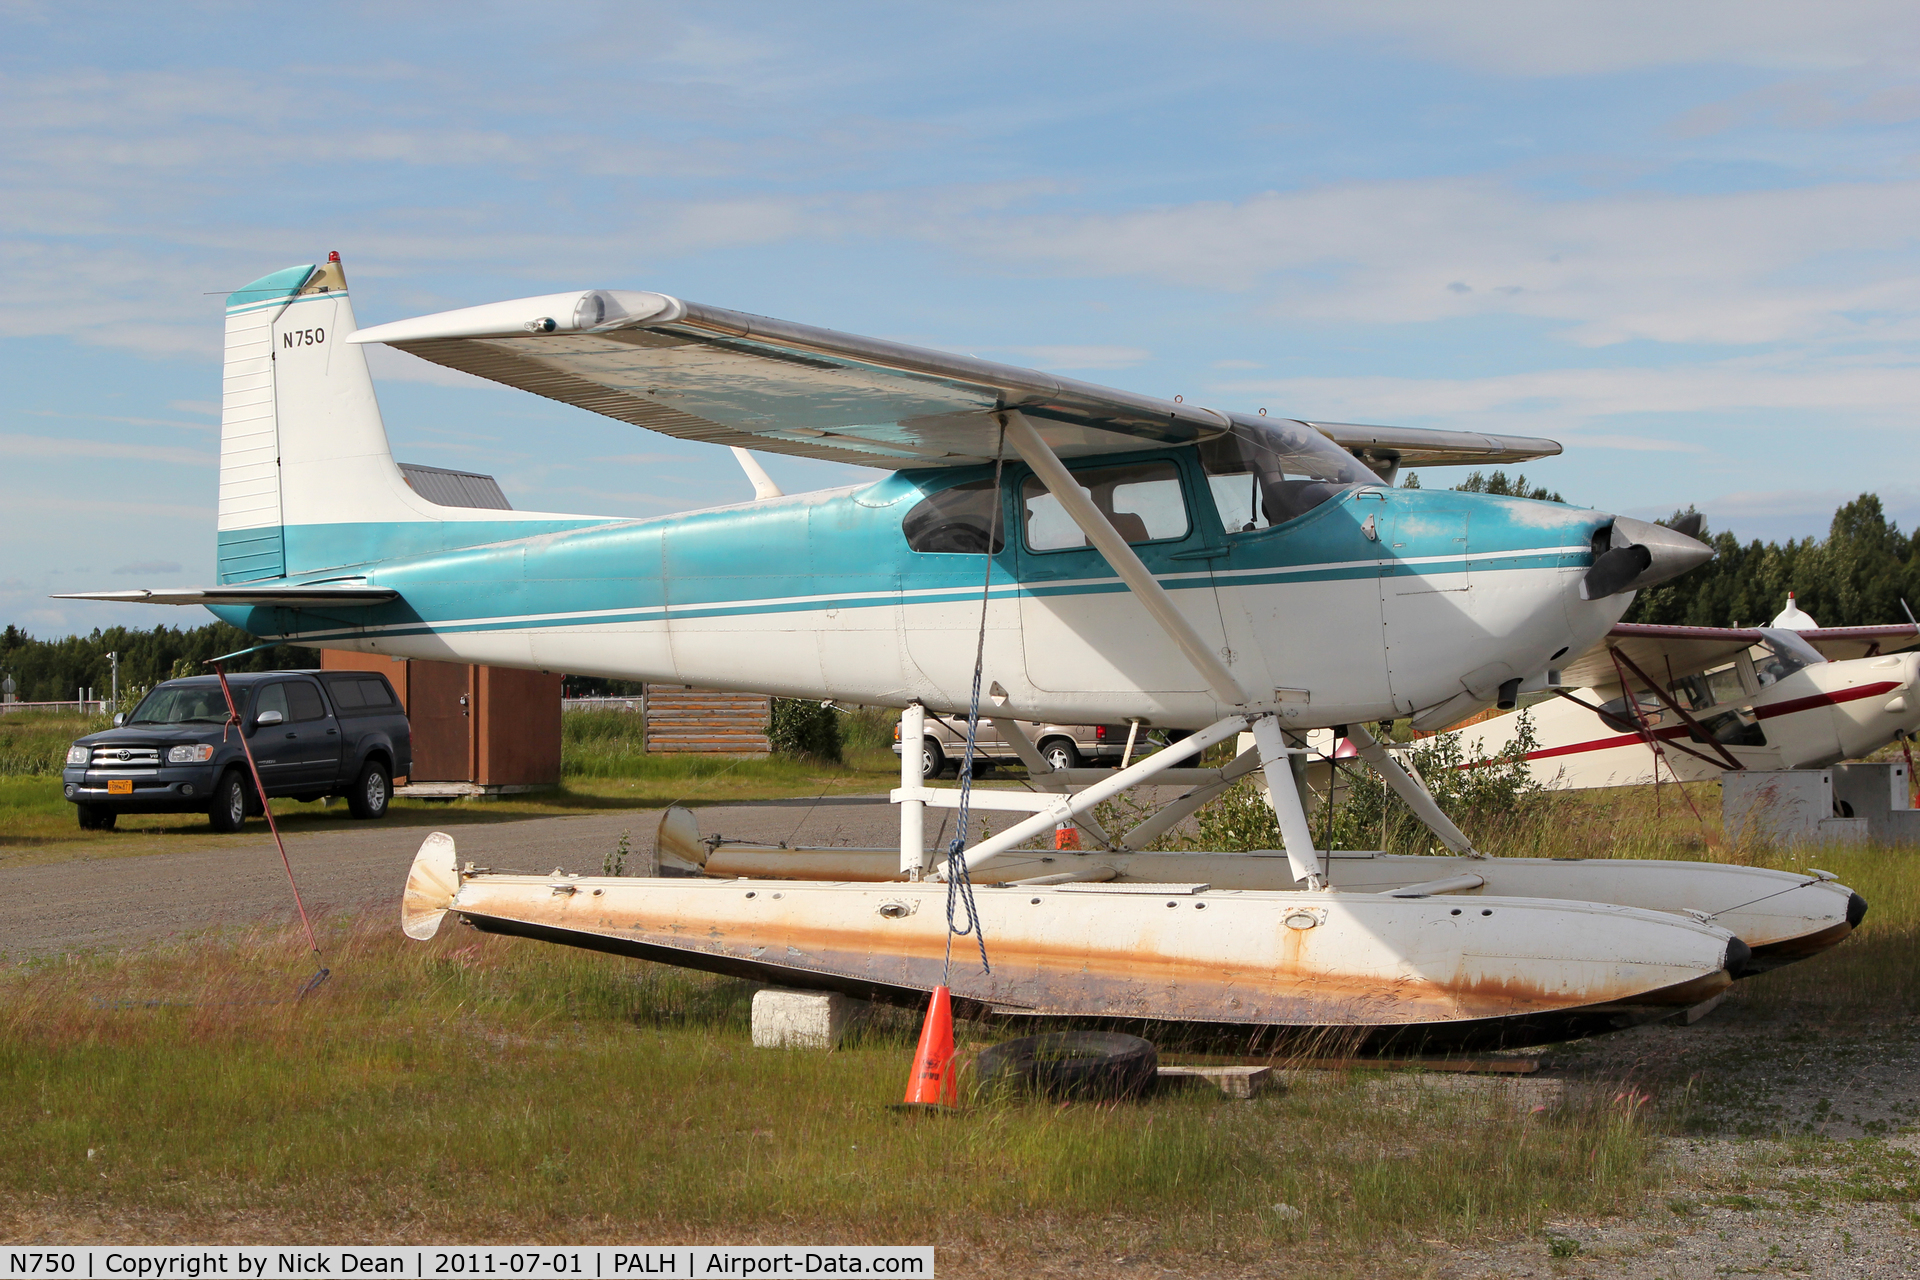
233	718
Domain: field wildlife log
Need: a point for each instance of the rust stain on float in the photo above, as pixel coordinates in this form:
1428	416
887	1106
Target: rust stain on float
1129	976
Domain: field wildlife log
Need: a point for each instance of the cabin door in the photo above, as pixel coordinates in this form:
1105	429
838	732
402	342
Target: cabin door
1081	628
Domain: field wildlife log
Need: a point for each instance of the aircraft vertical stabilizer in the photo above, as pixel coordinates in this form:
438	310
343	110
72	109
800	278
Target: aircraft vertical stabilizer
307	477
301	440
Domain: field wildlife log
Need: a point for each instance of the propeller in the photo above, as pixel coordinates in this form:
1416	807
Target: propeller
1688	525
1615	571
1640	554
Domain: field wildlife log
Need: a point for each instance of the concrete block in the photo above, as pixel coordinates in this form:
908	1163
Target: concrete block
1843	831
1776	806
1879	794
1903	827
1235	1082
1868	789
787	1019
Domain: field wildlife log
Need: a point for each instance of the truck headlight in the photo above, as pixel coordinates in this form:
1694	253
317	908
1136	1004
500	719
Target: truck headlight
190	755
77	754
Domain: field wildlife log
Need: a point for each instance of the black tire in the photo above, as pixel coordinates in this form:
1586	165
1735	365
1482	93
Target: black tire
372	791
228	811
933	761
1060	753
1071	1064
95	817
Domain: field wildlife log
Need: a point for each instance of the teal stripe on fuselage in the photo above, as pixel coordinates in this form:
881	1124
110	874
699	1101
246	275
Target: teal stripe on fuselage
782	556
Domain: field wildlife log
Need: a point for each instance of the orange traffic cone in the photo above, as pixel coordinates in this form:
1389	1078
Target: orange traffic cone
1066	836
932	1082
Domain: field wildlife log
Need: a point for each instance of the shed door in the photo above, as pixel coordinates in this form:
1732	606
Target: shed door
437	697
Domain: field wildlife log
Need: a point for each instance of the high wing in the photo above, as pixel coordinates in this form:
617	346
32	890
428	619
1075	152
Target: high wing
703	373
293	597
1668	653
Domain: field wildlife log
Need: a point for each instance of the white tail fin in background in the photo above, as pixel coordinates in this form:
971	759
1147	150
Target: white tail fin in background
302	447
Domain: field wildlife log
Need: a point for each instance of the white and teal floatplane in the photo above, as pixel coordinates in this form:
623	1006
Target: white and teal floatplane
1106	556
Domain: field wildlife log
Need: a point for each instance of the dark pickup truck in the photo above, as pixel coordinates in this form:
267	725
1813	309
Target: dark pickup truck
313	733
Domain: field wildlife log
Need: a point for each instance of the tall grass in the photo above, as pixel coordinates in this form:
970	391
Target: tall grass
487	1088
1873	978
34	743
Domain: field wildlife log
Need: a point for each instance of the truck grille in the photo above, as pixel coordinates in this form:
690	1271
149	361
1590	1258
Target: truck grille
126	757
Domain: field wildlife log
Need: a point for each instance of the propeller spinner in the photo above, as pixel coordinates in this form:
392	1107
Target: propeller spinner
1640	554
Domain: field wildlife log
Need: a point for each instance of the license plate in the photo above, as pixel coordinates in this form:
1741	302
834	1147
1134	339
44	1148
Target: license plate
119	786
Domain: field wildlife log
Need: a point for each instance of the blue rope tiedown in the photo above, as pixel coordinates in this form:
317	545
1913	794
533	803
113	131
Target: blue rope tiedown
959	880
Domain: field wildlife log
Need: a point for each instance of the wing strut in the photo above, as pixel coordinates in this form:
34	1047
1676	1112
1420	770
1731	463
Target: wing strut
1107	540
1719	747
1282	794
1417	797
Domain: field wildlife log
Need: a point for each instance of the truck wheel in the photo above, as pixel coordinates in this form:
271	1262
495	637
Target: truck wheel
96	817
228	812
1060	753
372	791
933	761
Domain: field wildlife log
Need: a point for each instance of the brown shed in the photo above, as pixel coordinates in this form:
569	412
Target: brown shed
476	730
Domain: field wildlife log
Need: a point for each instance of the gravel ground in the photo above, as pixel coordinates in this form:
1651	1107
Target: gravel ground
117	901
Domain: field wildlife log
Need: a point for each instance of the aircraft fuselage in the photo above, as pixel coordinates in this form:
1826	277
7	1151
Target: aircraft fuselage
1375	603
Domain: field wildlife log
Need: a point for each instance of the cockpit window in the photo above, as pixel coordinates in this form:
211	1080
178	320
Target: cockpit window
1786	654
1143	501
961	520
1710	688
1268	474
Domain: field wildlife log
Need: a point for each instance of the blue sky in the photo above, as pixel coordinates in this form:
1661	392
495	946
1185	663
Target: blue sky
1681	239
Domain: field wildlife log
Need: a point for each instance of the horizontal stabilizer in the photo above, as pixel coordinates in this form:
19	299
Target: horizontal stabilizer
262	594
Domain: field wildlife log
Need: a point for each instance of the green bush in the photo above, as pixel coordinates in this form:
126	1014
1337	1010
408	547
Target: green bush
1483	796
805	729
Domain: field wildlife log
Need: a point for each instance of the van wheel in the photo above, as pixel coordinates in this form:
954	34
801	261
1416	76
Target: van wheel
1060	753
372	791
933	761
228	812
96	817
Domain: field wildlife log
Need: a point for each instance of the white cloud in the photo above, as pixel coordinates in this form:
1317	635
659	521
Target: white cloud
1591	37
1546	402
1739	268
19	446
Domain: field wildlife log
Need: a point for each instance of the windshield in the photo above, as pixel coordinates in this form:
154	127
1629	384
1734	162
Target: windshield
184	704
1268	472
1786	654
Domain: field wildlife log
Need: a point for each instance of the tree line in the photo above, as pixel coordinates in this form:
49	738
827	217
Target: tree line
1858	575
53	670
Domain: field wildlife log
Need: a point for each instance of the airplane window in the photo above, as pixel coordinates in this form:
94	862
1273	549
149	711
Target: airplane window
1142	499
1616	717
1786	653
956	520
1288	466
1237	498
1723	685
1710	688
1735	728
